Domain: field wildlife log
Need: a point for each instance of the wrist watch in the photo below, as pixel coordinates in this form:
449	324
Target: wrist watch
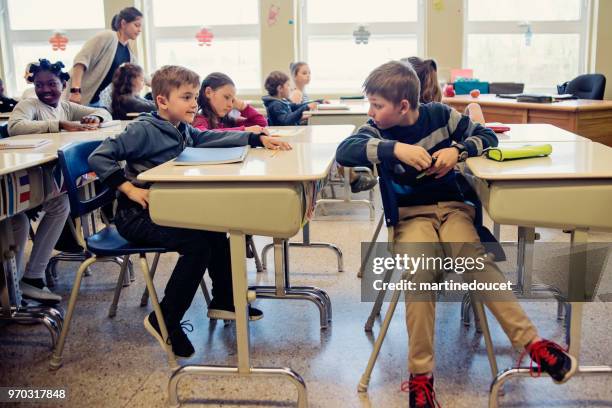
463	153
75	90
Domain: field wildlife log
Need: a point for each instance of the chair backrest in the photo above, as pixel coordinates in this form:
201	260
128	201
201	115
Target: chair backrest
588	86
73	163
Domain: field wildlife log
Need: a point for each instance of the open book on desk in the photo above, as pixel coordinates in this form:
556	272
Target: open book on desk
195	156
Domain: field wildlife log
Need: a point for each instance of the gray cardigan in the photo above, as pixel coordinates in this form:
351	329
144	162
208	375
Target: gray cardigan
97	56
33	116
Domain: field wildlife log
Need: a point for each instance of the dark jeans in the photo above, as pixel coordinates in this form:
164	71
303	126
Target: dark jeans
198	251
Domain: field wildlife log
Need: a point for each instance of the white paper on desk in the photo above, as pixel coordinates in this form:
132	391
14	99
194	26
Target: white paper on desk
285	132
332	106
7	143
110	123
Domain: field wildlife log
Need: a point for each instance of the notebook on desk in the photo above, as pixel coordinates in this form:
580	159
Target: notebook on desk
10	143
195	156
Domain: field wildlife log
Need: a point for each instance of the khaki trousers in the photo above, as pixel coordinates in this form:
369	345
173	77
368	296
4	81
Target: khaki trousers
449	222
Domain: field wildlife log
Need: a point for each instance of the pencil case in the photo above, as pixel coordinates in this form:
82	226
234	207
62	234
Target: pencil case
523	152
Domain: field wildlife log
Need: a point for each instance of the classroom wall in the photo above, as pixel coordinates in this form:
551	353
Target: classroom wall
444	45
602	42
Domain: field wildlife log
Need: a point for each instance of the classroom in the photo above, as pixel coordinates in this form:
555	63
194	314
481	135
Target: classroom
223	203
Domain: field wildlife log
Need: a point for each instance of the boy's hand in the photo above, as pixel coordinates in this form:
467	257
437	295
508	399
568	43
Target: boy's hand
312	105
75	97
258	130
91	120
446	159
412	155
274	144
136	194
76	127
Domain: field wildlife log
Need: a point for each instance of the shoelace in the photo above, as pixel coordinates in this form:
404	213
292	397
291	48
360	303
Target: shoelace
538	352
185	325
423	390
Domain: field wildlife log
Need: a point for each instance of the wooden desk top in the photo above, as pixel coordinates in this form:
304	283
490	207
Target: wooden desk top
314	150
572	105
569	160
538	133
12	160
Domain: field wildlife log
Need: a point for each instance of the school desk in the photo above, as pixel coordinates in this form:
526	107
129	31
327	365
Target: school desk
271	194
589	118
570	189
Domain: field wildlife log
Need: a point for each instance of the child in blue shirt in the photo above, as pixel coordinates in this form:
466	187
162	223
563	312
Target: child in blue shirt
281	111
405	137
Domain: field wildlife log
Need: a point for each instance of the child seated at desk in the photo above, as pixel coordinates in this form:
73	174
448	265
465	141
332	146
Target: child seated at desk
427	71
406	134
128	82
281	111
44	114
47	113
217	100
153	139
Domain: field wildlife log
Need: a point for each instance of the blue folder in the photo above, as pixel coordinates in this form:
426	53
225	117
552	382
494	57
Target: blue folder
194	156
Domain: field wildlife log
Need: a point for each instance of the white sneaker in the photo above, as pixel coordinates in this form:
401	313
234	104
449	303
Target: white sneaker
43	295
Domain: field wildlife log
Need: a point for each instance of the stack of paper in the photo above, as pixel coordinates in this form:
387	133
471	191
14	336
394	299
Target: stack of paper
11	143
194	156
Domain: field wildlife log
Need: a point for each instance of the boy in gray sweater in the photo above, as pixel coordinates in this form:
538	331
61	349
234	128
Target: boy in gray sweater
149	141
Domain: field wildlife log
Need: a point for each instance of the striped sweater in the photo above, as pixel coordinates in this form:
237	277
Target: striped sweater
437	127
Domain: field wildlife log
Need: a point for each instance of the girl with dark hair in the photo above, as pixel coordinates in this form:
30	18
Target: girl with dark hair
217	100
46	114
95	65
427	71
6	104
127	84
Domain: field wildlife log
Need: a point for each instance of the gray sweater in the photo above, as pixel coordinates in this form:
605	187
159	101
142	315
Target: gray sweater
33	116
150	141
97	56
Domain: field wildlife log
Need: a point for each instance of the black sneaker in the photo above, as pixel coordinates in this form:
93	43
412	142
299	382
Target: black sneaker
181	346
223	312
552	359
363	182
421	392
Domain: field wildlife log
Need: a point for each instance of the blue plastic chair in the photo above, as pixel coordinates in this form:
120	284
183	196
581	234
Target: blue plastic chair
391	215
103	244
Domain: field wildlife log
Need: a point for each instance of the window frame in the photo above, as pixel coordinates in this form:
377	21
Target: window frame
227	31
580	27
391	29
10	38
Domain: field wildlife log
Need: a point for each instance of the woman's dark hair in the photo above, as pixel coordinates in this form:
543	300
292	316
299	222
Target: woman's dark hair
215	81
128	14
427	71
274	80
294	67
45	65
122	86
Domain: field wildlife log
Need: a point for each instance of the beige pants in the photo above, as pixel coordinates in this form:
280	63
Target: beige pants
450	222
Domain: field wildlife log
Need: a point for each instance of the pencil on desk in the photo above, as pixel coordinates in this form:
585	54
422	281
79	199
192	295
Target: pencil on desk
275	152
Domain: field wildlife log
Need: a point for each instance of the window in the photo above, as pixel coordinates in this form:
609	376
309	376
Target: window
540	43
233	50
337	62
27	27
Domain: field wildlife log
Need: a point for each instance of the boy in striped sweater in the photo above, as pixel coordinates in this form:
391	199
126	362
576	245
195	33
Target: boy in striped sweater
420	144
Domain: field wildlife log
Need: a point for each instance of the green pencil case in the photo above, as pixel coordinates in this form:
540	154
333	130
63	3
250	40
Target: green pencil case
523	152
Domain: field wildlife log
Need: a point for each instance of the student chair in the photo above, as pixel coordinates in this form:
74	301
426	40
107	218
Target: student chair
391	217
104	244
587	86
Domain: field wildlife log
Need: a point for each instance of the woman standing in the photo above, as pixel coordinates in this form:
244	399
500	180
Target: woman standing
95	65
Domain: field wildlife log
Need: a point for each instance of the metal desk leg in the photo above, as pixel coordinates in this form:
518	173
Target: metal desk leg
573	333
242	296
283	289
306	244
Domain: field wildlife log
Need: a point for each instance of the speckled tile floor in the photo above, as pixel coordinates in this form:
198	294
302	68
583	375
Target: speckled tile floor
115	363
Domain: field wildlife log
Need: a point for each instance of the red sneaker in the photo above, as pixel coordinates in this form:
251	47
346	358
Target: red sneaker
552	359
421	392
